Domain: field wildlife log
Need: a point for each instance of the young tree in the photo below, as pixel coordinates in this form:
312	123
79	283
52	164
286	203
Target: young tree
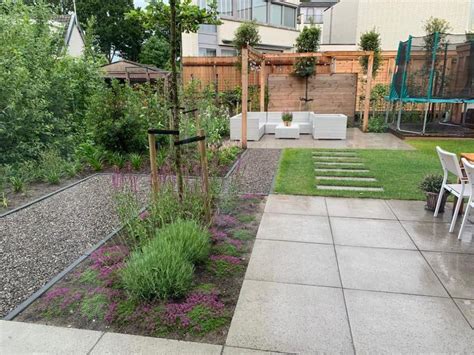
370	41
307	42
177	17
155	51
246	35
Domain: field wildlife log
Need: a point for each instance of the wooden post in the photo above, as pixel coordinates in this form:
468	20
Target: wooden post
262	85
154	169
204	174
245	84
370	67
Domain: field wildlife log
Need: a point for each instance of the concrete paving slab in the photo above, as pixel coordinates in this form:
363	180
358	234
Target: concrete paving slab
370	233
290	318
338	158
298	263
467	308
436	237
359	208
407	324
349	188
330	163
390	270
28	338
415	211
117	344
456	272
343	170
295	228
347	178
230	350
306	205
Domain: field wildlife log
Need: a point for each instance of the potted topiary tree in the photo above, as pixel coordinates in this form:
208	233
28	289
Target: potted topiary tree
287	117
431	186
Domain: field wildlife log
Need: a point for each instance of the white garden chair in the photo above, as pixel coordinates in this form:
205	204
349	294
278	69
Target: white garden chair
450	164
469	168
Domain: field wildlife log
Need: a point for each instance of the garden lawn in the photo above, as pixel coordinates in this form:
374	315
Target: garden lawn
398	172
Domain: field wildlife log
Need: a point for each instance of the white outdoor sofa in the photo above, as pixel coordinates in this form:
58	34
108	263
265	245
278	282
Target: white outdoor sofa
321	126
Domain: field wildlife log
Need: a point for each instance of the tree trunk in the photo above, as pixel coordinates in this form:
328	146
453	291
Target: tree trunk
175	98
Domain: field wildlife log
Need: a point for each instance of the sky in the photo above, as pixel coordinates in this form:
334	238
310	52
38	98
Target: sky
139	3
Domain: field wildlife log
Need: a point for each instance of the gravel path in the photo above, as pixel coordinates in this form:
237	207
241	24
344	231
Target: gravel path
256	170
40	241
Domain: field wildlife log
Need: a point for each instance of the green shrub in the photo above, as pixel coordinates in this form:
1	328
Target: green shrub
431	183
18	183
117	159
377	125
72	168
188	238
92	155
136	160
157	270
51	166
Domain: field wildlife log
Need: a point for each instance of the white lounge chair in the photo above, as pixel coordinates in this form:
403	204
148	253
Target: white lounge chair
469	168
450	164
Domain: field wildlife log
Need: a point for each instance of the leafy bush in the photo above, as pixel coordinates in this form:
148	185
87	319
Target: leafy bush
92	155
377	125
307	42
117	159
52	166
157	270
136	160
431	183
118	117
246	34
44	93
188	238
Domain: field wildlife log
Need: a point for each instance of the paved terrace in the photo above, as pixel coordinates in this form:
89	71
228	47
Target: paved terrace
356	139
328	275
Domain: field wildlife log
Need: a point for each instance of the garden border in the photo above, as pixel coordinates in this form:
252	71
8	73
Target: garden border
44	197
234	166
25	304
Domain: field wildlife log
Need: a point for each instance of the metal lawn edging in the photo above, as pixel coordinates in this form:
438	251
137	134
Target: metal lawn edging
234	166
25	304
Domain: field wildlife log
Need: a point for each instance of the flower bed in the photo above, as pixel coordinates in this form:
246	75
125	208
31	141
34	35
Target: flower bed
94	297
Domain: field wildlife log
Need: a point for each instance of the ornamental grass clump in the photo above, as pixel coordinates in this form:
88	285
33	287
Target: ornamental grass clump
157	270
164	266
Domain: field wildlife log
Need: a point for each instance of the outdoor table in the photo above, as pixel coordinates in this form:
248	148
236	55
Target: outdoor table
282	131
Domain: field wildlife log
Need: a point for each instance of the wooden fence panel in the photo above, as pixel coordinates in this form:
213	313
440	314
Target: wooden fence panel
331	93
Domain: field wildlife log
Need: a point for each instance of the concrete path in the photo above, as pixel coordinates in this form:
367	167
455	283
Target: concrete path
355	140
335	275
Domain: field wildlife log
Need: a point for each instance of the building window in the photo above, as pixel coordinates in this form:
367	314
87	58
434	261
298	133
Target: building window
312	14
208	28
275	14
228	52
207	52
259	10
225	7
289	16
244	9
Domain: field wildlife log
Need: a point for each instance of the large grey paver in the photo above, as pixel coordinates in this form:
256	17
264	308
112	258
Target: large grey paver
436	237
404	324
467	308
456	272
390	270
28	338
300	263
310	229
359	208
304	205
370	233
113	343
415	211
290	318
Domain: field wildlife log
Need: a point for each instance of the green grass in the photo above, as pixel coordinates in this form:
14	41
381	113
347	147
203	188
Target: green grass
399	172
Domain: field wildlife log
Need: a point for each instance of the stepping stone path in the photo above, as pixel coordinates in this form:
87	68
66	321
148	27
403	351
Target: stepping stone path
343	170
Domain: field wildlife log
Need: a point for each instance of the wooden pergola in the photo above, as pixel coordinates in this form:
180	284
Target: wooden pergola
249	52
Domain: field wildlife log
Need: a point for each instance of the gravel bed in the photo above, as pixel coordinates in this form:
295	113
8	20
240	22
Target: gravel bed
40	241
256	170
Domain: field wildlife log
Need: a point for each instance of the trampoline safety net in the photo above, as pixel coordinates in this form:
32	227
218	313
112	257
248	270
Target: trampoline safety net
435	68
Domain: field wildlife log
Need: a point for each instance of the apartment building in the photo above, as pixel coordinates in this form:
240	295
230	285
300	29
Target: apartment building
395	20
277	24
